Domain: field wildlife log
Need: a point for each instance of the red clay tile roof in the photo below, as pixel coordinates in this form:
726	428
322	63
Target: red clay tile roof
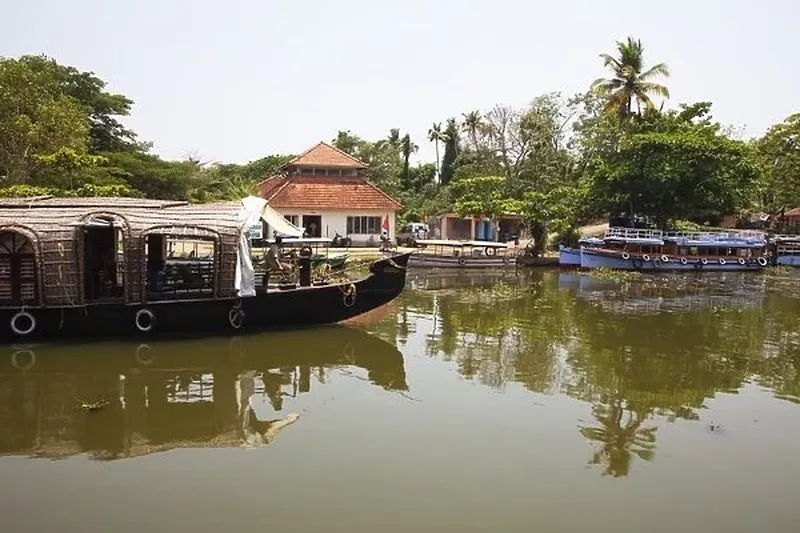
326	156
325	192
795	211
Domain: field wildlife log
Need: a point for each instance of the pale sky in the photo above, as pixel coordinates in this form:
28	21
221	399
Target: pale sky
237	80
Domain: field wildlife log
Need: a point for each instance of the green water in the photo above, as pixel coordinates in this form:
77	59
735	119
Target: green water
546	402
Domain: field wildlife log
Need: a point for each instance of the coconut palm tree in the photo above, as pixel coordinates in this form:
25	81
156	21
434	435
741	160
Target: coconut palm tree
472	123
630	81
436	135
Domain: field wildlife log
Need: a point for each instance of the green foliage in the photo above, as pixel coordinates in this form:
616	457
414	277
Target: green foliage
88	190
779	155
674	165
37	119
481	196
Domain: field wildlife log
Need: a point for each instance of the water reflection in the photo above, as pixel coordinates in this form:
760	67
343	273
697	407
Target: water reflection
641	352
150	398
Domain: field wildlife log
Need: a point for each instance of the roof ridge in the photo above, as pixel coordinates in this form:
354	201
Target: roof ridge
352	158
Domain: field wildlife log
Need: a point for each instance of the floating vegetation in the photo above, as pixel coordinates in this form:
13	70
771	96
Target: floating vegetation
499	291
615	275
781	270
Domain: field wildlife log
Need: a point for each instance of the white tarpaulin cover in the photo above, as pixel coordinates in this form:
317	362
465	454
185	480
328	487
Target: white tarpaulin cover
254	209
279	224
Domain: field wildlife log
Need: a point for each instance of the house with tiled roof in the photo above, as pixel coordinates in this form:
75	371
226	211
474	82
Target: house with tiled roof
324	190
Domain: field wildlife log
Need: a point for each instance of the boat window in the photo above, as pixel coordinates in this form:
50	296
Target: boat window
180	267
103	260
17	270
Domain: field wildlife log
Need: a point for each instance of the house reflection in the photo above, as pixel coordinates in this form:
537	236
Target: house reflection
204	393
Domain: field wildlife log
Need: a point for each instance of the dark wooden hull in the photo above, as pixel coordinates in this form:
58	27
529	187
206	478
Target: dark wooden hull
275	309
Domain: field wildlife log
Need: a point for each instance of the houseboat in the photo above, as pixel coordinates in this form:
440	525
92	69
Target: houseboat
101	267
460	254
647	249
571	257
786	250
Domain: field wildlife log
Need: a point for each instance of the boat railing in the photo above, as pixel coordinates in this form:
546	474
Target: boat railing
634	233
716	235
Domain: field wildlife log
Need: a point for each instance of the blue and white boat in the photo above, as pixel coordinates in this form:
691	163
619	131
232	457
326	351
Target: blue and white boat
571	257
647	249
787	250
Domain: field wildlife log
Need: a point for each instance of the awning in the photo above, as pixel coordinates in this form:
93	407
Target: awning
279	224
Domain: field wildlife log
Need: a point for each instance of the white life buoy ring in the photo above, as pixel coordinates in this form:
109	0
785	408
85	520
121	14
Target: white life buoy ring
722	261
490	251
665	258
236	316
684	260
742	261
704	261
626	255
22	331
462	261
142	349
645	258
149	320
31	360
762	261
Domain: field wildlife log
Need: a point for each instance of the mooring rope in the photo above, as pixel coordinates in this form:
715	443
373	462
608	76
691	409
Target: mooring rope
348	294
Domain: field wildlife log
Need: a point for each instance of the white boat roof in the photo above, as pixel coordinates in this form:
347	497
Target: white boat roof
460	244
304	240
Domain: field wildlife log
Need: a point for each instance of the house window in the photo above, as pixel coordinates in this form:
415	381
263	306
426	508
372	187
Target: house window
292	219
364	225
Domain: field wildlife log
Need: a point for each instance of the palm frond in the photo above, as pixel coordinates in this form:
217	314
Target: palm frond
660	69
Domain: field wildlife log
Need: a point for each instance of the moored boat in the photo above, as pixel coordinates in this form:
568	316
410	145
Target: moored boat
646	249
571	257
461	254
101	267
786	250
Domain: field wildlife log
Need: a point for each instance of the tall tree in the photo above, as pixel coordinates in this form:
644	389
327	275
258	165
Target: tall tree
451	142
36	119
407	148
630	81
436	135
471	124
779	154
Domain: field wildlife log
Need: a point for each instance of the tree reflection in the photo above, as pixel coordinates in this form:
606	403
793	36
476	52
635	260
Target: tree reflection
620	435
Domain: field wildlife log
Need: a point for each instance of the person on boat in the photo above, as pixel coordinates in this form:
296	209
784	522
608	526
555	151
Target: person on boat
273	259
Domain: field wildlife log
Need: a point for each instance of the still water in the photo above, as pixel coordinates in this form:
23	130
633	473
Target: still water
545	402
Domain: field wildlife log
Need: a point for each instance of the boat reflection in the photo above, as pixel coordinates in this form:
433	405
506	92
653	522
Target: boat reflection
117	400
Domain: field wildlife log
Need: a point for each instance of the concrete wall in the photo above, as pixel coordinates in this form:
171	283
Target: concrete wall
336	221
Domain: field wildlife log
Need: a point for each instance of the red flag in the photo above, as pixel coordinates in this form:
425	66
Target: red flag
385	225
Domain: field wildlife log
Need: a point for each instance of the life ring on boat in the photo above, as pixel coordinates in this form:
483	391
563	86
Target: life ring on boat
704	261
146	360
742	261
23	331
31	360
462	261
646	258
665	258
762	261
490	251
149	320
626	256
236	316
684	260
722	261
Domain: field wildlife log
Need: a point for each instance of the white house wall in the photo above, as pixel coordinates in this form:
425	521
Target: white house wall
336	221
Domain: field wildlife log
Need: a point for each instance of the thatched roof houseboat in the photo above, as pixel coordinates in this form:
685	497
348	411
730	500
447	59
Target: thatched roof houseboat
116	266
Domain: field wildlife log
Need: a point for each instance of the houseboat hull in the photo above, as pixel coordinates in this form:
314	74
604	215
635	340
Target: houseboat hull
569	257
788	260
272	309
592	259
423	260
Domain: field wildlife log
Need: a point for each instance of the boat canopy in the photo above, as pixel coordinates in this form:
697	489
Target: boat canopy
304	240
461	244
279	224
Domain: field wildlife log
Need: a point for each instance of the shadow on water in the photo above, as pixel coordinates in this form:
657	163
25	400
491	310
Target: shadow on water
642	352
116	400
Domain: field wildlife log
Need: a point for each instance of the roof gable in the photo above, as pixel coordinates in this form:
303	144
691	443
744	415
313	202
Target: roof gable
323	155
